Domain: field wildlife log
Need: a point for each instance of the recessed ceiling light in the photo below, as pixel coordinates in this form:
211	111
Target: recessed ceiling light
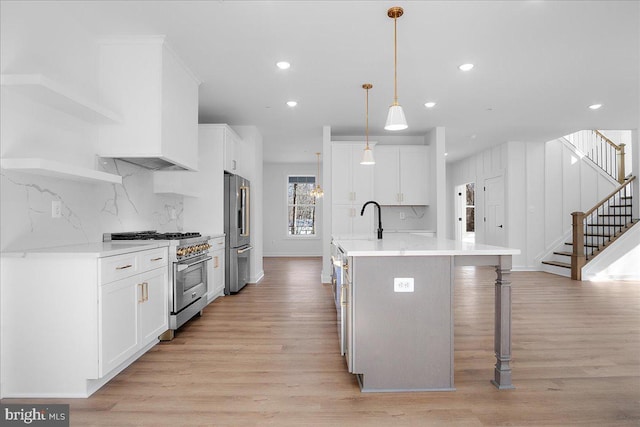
292	103
466	67
429	104
446	154
595	106
283	65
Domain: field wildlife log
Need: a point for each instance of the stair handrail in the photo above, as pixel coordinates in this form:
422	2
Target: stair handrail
579	225
610	195
620	156
607	140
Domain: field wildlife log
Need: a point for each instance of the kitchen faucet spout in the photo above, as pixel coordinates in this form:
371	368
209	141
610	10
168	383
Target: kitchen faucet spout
379	216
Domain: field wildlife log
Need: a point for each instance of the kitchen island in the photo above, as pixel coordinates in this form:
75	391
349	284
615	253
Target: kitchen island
395	306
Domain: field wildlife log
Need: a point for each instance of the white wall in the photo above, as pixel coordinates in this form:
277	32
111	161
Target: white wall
476	168
276	241
88	210
544	183
251	167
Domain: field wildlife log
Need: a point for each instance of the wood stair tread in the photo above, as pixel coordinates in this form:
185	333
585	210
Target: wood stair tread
589	245
564	253
557	264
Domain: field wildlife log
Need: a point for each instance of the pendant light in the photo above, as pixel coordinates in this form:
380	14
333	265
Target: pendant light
317	192
367	156
395	118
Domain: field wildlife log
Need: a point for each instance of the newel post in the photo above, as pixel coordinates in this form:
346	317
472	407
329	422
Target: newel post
621	171
578	259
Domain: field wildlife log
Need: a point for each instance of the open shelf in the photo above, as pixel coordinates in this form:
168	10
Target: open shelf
48	92
58	170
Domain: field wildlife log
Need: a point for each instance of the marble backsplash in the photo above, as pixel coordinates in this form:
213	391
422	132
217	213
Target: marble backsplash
88	209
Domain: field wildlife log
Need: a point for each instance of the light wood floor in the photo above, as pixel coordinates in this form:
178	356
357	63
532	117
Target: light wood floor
269	356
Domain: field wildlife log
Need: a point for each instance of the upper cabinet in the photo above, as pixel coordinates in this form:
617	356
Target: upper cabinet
352	183
231	147
351	187
400	175
157	95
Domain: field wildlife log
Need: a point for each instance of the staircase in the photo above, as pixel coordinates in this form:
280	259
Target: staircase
594	230
597	229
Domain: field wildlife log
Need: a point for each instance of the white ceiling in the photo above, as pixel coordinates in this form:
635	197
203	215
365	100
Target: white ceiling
538	64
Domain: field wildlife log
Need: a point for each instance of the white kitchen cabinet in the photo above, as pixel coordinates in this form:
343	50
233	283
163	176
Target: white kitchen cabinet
157	95
231	147
346	220
118	323
134	312
352	186
401	175
216	268
74	317
352	183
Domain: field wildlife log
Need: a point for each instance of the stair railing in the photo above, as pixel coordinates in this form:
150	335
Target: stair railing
603	223
605	153
612	156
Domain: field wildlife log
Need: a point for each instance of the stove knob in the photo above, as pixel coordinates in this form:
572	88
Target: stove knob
180	252
208	246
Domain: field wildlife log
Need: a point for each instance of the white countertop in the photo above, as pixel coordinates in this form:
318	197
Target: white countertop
409	244
90	250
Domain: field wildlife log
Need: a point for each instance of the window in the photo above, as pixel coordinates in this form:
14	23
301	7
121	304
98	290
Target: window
471	207
301	205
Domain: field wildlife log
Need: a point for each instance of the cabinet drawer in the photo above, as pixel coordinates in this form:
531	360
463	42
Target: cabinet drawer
118	267
217	243
152	259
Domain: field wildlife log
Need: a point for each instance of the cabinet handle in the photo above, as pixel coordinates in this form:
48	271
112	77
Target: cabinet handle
156	259
124	266
146	291
215	262
141	299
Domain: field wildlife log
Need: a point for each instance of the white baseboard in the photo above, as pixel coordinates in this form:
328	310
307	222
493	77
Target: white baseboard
290	255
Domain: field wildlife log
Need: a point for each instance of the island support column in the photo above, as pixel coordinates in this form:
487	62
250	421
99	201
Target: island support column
502	333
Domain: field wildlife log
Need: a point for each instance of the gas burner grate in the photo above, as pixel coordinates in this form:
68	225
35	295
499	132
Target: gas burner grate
153	235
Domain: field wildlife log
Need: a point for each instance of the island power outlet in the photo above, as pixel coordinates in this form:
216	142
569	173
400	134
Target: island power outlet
403	284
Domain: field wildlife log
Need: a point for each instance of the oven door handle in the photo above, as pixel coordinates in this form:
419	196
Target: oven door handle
184	266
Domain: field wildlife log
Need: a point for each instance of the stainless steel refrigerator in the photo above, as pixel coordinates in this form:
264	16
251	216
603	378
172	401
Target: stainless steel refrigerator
237	214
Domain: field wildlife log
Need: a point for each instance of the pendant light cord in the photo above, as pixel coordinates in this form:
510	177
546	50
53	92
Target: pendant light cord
395	61
367	120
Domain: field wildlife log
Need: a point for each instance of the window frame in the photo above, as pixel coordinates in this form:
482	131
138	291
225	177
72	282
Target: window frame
316	224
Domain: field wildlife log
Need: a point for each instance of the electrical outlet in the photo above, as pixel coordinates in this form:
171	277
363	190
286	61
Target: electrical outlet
403	284
172	213
402	215
56	209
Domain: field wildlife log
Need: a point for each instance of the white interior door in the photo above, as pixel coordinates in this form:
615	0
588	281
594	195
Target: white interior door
494	211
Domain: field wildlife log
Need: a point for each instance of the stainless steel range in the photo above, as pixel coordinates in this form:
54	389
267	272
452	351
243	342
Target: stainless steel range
188	258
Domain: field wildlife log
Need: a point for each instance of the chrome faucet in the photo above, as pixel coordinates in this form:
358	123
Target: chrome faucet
379	216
